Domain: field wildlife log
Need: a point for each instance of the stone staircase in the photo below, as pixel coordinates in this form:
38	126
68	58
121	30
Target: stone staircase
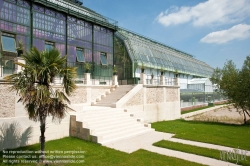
105	125
115	95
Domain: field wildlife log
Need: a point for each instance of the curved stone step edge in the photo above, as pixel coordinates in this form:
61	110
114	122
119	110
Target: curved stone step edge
103	142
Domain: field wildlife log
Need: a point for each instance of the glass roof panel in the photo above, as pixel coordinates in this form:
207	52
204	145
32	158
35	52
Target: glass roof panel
148	51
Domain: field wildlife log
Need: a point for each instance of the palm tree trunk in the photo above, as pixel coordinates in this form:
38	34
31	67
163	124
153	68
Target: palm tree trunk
42	137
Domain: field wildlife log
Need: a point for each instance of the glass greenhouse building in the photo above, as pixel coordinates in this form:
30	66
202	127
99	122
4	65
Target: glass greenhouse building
156	57
88	37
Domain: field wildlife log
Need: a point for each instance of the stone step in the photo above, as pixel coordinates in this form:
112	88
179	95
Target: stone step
110	122
114	96
122	127
107	103
103	117
110	99
107	125
118	136
121	90
104	104
125	132
104	128
101	112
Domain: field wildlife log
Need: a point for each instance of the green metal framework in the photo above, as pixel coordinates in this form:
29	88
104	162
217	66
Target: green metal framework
122	60
152	54
79	11
66	25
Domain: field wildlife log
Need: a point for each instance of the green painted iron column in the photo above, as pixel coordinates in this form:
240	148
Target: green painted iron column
93	63
31	24
66	34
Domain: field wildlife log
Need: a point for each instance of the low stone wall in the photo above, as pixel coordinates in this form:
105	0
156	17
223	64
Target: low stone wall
79	95
21	125
155	103
87	93
12	113
7	101
9	107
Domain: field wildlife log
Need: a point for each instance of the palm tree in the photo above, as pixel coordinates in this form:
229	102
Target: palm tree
34	85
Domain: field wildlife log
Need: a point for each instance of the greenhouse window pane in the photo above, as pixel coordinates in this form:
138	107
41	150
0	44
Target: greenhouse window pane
144	58
49	45
80	55
159	61
152	60
8	43
104	58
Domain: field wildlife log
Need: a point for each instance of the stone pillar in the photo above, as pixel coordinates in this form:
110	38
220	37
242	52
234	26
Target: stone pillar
176	81
162	80
152	81
18	68
143	79
1	70
115	80
87	80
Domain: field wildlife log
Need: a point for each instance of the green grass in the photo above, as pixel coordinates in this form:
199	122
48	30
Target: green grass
212	153
96	154
216	133
195	109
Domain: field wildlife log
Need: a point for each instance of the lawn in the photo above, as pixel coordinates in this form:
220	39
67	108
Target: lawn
96	154
212	153
216	133
195	109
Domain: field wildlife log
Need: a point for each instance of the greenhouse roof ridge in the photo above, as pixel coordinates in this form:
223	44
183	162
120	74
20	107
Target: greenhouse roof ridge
79	11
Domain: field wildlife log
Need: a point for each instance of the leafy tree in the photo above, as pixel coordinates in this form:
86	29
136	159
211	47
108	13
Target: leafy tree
235	84
34	85
216	77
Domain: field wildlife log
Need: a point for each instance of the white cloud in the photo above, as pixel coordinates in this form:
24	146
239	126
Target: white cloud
237	32
207	13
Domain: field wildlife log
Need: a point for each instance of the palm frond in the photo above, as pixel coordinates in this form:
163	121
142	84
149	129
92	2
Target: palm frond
34	83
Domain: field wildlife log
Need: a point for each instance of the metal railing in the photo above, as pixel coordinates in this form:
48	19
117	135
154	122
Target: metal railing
170	81
198	98
101	80
157	81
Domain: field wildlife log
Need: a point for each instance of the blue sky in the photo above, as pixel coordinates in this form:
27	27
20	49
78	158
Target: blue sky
211	30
